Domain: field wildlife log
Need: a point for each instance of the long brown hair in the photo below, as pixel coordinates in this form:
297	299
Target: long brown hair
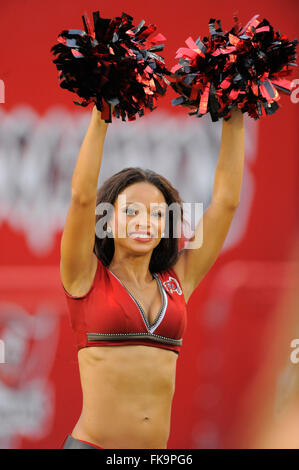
166	253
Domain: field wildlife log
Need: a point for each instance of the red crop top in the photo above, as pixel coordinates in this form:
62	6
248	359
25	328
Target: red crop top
108	314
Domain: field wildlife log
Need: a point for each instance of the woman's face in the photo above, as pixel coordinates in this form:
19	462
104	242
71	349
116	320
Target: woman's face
141	207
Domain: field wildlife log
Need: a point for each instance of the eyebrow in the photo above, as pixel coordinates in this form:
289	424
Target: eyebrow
161	205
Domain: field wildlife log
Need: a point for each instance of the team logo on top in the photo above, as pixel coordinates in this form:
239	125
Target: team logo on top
172	285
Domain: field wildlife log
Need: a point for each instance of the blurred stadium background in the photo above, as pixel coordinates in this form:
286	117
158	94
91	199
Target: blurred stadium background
234	374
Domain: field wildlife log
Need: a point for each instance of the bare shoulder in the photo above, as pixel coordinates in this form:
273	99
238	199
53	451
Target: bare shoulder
179	269
81	286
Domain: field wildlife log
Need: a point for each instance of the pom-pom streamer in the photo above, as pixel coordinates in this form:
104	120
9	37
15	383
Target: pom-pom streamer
112	64
244	67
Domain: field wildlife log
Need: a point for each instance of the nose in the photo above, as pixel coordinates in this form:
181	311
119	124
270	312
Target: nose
143	222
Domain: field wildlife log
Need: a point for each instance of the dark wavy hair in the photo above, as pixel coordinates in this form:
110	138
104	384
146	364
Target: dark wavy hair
167	252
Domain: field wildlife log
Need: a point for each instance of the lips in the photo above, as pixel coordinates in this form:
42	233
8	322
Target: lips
140	233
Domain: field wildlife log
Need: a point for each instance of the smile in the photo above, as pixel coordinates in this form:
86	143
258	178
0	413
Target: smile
141	236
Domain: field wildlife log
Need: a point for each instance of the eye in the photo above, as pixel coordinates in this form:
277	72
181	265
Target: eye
129	209
159	213
132	211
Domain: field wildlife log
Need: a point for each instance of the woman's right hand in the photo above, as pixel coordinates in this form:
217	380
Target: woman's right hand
97	115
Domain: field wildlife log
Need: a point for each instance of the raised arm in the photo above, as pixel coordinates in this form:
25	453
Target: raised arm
194	263
78	262
229	170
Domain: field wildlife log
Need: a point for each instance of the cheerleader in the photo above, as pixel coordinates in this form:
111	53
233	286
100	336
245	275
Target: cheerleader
127	291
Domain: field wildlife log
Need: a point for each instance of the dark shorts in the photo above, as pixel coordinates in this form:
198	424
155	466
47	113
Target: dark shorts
72	443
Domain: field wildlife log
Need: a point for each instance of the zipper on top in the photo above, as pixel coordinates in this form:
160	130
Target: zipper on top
149	327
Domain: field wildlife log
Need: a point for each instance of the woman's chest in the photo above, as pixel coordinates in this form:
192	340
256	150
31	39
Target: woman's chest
149	300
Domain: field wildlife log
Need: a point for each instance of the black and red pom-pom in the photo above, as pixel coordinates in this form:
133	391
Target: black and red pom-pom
244	67
112	63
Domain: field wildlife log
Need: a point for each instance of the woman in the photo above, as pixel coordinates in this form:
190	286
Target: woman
127	293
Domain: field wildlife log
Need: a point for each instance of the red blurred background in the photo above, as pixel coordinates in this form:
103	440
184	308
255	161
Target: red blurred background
232	312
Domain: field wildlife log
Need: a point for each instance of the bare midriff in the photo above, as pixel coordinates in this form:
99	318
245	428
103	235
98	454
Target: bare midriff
127	396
